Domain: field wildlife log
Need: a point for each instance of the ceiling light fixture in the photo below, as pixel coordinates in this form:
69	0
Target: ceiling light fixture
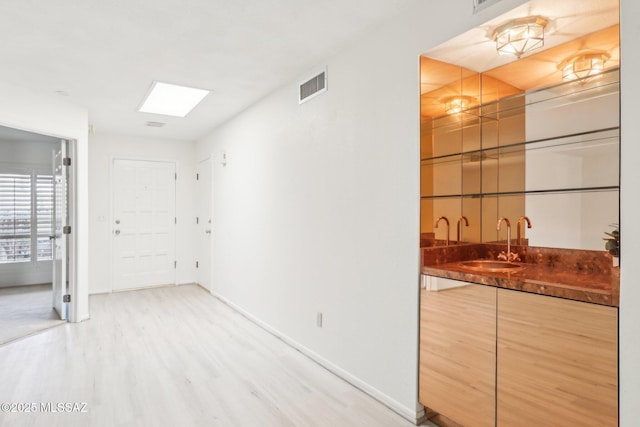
172	100
457	104
520	36
583	65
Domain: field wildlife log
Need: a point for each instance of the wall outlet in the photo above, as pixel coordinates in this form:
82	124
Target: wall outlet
319	319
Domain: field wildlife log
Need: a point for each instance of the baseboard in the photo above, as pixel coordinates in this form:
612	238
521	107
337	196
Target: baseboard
188	284
412	415
202	287
142	288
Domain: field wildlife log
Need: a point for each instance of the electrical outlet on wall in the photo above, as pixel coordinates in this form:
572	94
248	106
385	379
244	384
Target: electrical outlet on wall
319	319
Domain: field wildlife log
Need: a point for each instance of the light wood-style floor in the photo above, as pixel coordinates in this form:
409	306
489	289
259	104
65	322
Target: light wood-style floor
25	310
175	356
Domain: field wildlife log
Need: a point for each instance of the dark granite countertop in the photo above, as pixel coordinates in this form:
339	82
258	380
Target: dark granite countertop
572	274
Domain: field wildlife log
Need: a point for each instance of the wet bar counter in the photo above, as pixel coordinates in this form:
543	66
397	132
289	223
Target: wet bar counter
579	275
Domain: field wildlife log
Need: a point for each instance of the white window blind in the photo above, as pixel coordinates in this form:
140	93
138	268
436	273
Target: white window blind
44	216
15	218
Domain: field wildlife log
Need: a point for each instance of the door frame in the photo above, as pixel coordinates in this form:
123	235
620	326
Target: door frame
209	158
71	263
72	239
74	314
112	206
58	240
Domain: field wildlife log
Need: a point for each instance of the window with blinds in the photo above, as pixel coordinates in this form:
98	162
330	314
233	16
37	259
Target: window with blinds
15	218
26	215
44	216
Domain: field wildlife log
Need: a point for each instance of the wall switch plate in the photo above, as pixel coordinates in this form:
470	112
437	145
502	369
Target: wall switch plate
319	319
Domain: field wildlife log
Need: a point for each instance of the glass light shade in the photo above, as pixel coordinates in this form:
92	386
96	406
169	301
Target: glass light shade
582	66
520	36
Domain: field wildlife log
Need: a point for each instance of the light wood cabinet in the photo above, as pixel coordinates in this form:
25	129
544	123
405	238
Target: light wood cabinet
496	357
457	351
557	362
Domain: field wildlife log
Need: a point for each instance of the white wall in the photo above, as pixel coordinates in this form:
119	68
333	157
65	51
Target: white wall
26	156
317	208
104	148
30	153
20	108
630	212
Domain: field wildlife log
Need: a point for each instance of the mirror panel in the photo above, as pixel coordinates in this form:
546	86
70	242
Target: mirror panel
471	173
523	144
451	208
582	161
444	175
448	96
572	220
426	222
472	208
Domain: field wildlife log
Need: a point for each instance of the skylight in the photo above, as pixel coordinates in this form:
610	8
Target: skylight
172	100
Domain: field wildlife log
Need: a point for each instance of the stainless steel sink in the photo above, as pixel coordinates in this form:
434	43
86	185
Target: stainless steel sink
491	266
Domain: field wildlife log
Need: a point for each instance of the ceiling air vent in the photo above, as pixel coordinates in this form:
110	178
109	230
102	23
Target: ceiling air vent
481	4
155	124
313	87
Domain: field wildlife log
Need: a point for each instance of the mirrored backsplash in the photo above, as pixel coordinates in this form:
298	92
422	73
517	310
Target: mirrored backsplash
490	149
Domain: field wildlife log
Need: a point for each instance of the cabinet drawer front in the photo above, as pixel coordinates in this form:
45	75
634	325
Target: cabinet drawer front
457	352
557	362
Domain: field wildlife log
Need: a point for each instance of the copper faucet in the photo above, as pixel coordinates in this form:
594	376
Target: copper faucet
506	220
445	220
459	227
522	218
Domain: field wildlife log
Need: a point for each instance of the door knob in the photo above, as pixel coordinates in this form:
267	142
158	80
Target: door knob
207	231
117	232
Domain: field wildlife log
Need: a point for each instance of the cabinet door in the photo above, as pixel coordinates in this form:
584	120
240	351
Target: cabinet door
557	362
457	352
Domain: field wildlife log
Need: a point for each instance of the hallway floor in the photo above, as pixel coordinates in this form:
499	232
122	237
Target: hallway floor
25	310
174	356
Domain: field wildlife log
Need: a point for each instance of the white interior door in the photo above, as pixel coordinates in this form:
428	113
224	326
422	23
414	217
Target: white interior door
143	224
59	238
204	224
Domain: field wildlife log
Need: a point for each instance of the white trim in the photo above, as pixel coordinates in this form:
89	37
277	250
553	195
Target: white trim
413	415
142	288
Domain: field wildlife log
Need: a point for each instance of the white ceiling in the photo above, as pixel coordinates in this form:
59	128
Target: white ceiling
104	54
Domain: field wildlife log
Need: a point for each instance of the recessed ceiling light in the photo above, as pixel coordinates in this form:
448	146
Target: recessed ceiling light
172	100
